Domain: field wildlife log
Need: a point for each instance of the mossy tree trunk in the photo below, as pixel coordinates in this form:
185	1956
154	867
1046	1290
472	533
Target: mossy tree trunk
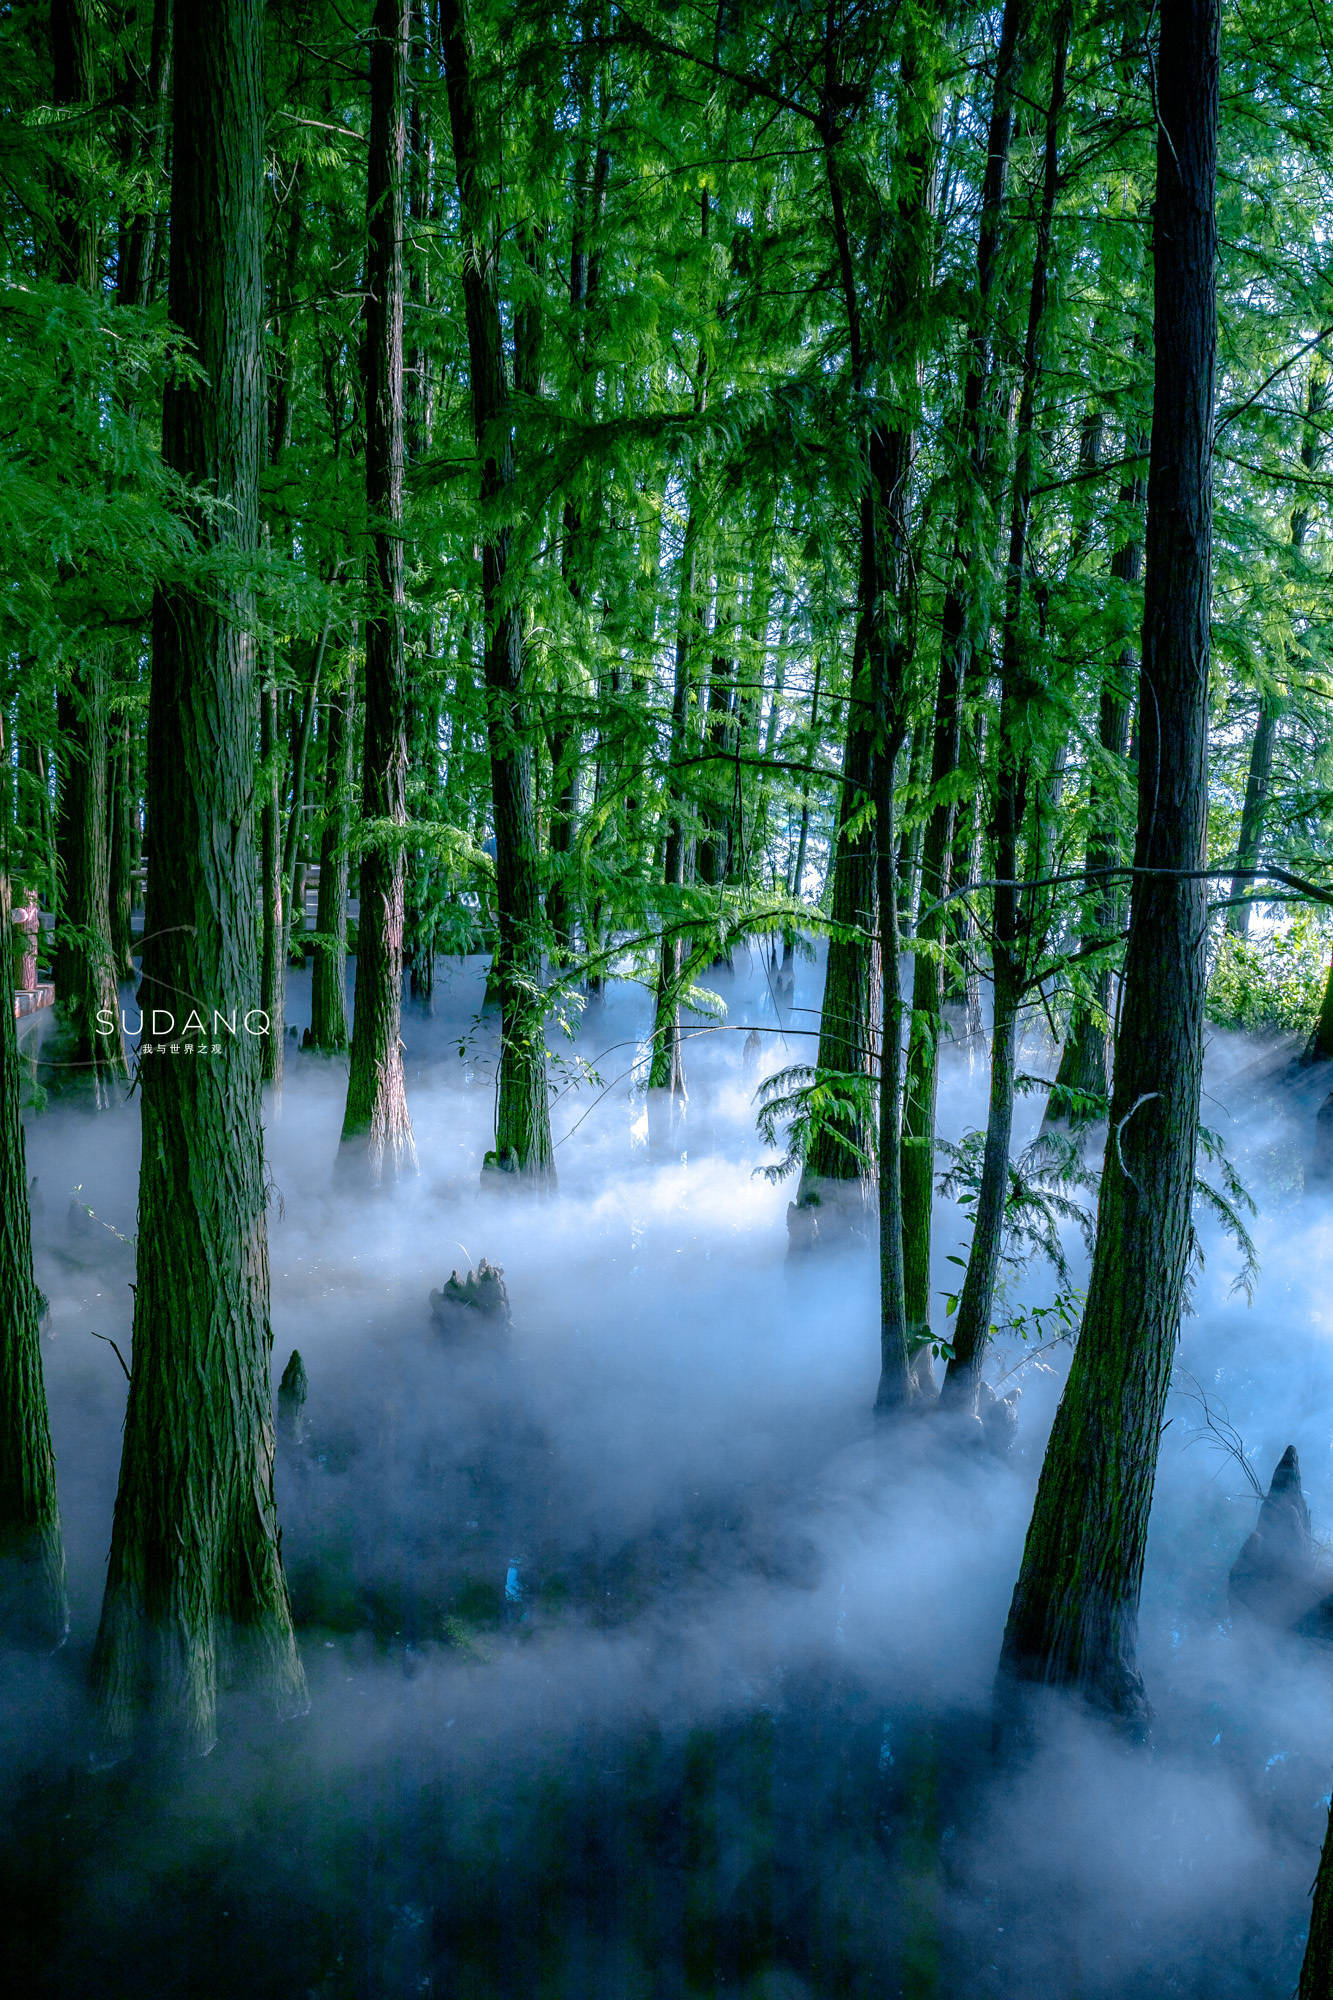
272	958
377	1129
32	1559
892	362
195	1592
523	1114
1074	1615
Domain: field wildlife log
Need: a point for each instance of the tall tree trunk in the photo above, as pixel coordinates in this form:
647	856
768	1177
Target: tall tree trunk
717	831
34	823
195	1591
966	615
144	91
1074	1616
922	1068
523	1115
1085	1060
887	610
122	807
1260	773
1010	947
579	536
294	832
90	1052
377	1130
803	833
773	726
666	1070
838	1171
328	979
272	956
32	1558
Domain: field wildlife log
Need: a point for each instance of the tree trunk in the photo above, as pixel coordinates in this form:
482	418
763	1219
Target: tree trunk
195	1590
90	1053
120	835
1010	946
921	1082
666	1070
838	1171
717	830
803	832
962	621
273	958
1085	1060
1074	1616
328	981
34	825
1260	772
32	1560
377	1130
523	1115
294	833
578	543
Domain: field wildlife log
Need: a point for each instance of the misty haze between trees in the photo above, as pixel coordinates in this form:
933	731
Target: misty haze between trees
666	874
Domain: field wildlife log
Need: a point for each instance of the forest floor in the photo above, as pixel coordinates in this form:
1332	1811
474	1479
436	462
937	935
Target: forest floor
640	1663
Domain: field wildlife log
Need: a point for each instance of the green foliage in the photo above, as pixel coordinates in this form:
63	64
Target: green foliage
800	1102
1042	1197
1272	980
1229	1201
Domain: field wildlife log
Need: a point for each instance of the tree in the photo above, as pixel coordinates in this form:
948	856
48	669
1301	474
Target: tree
376	1118
523	1115
1011	942
195	1593
328	977
964	618
91	1048
33	1610
1073	1619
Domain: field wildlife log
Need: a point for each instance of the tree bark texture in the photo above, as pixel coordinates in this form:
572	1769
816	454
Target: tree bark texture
1019	695
377	1129
195	1592
121	811
1085	1060
272	956
523	1115
667	1092
32	1558
90	1051
1074	1615
328	979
